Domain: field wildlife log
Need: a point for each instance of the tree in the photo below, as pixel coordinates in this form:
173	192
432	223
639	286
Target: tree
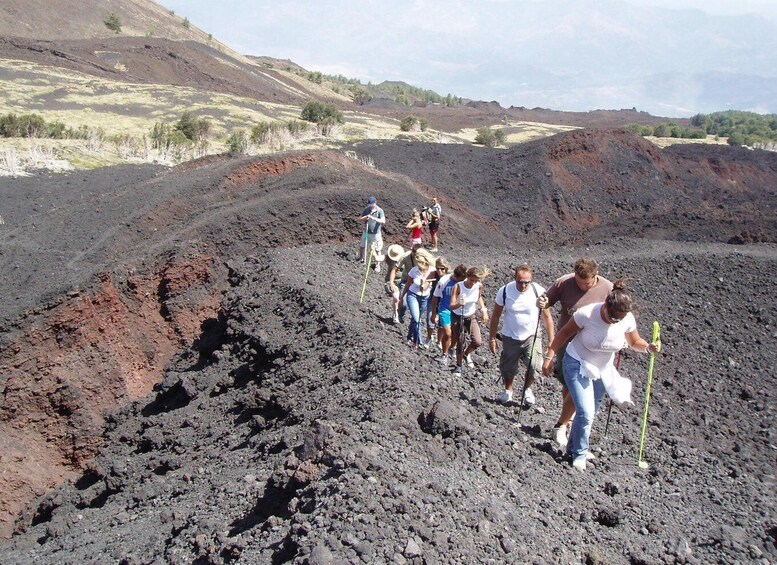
113	23
192	127
489	137
316	112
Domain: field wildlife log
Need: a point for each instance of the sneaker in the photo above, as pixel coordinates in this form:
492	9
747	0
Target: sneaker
433	250
439	345
442	360
395	319
589	456
457	370
505	397
470	362
560	436
377	267
528	396
579	463
425	345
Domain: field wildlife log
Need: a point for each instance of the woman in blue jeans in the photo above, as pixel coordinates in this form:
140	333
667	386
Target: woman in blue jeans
598	330
418	290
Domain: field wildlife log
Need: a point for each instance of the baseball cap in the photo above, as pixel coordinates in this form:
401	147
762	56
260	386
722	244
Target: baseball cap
372	200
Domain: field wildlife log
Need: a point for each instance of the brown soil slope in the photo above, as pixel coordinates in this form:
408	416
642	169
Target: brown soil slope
136	261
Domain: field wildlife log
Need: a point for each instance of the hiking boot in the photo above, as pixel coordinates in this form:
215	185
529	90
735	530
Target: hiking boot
579	463
470	362
505	397
442	360
528	396
560	435
457	370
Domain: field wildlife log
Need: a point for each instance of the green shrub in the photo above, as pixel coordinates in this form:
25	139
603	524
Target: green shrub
296	127
315	112
113	23
192	127
489	137
237	142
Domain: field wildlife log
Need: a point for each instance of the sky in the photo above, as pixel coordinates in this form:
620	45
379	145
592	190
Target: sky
485	49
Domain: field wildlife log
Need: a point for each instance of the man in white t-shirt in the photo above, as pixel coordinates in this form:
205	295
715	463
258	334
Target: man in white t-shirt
520	339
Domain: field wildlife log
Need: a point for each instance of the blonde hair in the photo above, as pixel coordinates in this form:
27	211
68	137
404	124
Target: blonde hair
478	272
423	256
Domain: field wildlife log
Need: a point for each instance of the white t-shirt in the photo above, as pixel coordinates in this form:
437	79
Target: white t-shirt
520	312
469	298
418	277
597	341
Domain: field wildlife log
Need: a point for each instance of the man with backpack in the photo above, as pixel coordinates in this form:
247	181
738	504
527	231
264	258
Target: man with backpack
521	341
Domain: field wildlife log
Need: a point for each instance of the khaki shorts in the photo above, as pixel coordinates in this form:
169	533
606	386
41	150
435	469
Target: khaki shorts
516	352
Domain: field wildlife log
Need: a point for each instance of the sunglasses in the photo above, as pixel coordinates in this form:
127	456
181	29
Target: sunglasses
523	283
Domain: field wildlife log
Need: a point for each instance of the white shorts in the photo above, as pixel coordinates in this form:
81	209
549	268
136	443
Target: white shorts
373	239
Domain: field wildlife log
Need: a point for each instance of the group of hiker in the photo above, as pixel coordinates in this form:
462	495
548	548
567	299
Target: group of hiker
595	321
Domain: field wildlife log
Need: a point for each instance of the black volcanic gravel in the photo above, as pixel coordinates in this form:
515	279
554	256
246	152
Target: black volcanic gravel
301	428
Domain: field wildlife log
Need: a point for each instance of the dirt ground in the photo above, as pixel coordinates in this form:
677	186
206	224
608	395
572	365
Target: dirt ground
186	350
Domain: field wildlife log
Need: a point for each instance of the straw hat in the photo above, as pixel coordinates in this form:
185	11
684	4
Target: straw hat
395	252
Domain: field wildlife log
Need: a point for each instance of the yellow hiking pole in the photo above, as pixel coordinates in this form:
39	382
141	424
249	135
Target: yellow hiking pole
367	273
656	338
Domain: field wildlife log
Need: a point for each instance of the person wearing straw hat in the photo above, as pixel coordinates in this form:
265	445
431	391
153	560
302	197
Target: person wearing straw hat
394	255
373	218
593	335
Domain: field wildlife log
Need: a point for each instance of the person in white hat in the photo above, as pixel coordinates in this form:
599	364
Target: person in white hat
394	255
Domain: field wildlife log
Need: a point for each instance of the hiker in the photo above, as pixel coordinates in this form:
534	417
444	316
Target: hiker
441	312
593	335
441	269
417	291
403	265
394	254
520	339
434	213
466	297
374	218
574	290
415	227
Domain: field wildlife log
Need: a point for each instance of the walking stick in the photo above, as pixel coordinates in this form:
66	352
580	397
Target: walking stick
529	368
609	405
656	337
366	274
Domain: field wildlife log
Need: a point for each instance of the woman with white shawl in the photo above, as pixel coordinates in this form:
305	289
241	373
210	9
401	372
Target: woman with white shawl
600	330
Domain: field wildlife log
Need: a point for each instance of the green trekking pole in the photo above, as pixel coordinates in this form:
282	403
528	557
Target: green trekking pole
656	338
366	274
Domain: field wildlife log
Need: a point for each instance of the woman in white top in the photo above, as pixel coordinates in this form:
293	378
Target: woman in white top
600	330
466	298
418	290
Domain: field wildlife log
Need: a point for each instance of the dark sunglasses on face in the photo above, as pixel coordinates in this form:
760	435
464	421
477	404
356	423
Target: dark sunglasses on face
523	283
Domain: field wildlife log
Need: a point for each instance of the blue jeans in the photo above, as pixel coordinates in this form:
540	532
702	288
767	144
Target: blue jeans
587	395
417	306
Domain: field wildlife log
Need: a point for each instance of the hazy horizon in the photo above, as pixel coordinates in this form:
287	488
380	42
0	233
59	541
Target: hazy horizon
667	57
